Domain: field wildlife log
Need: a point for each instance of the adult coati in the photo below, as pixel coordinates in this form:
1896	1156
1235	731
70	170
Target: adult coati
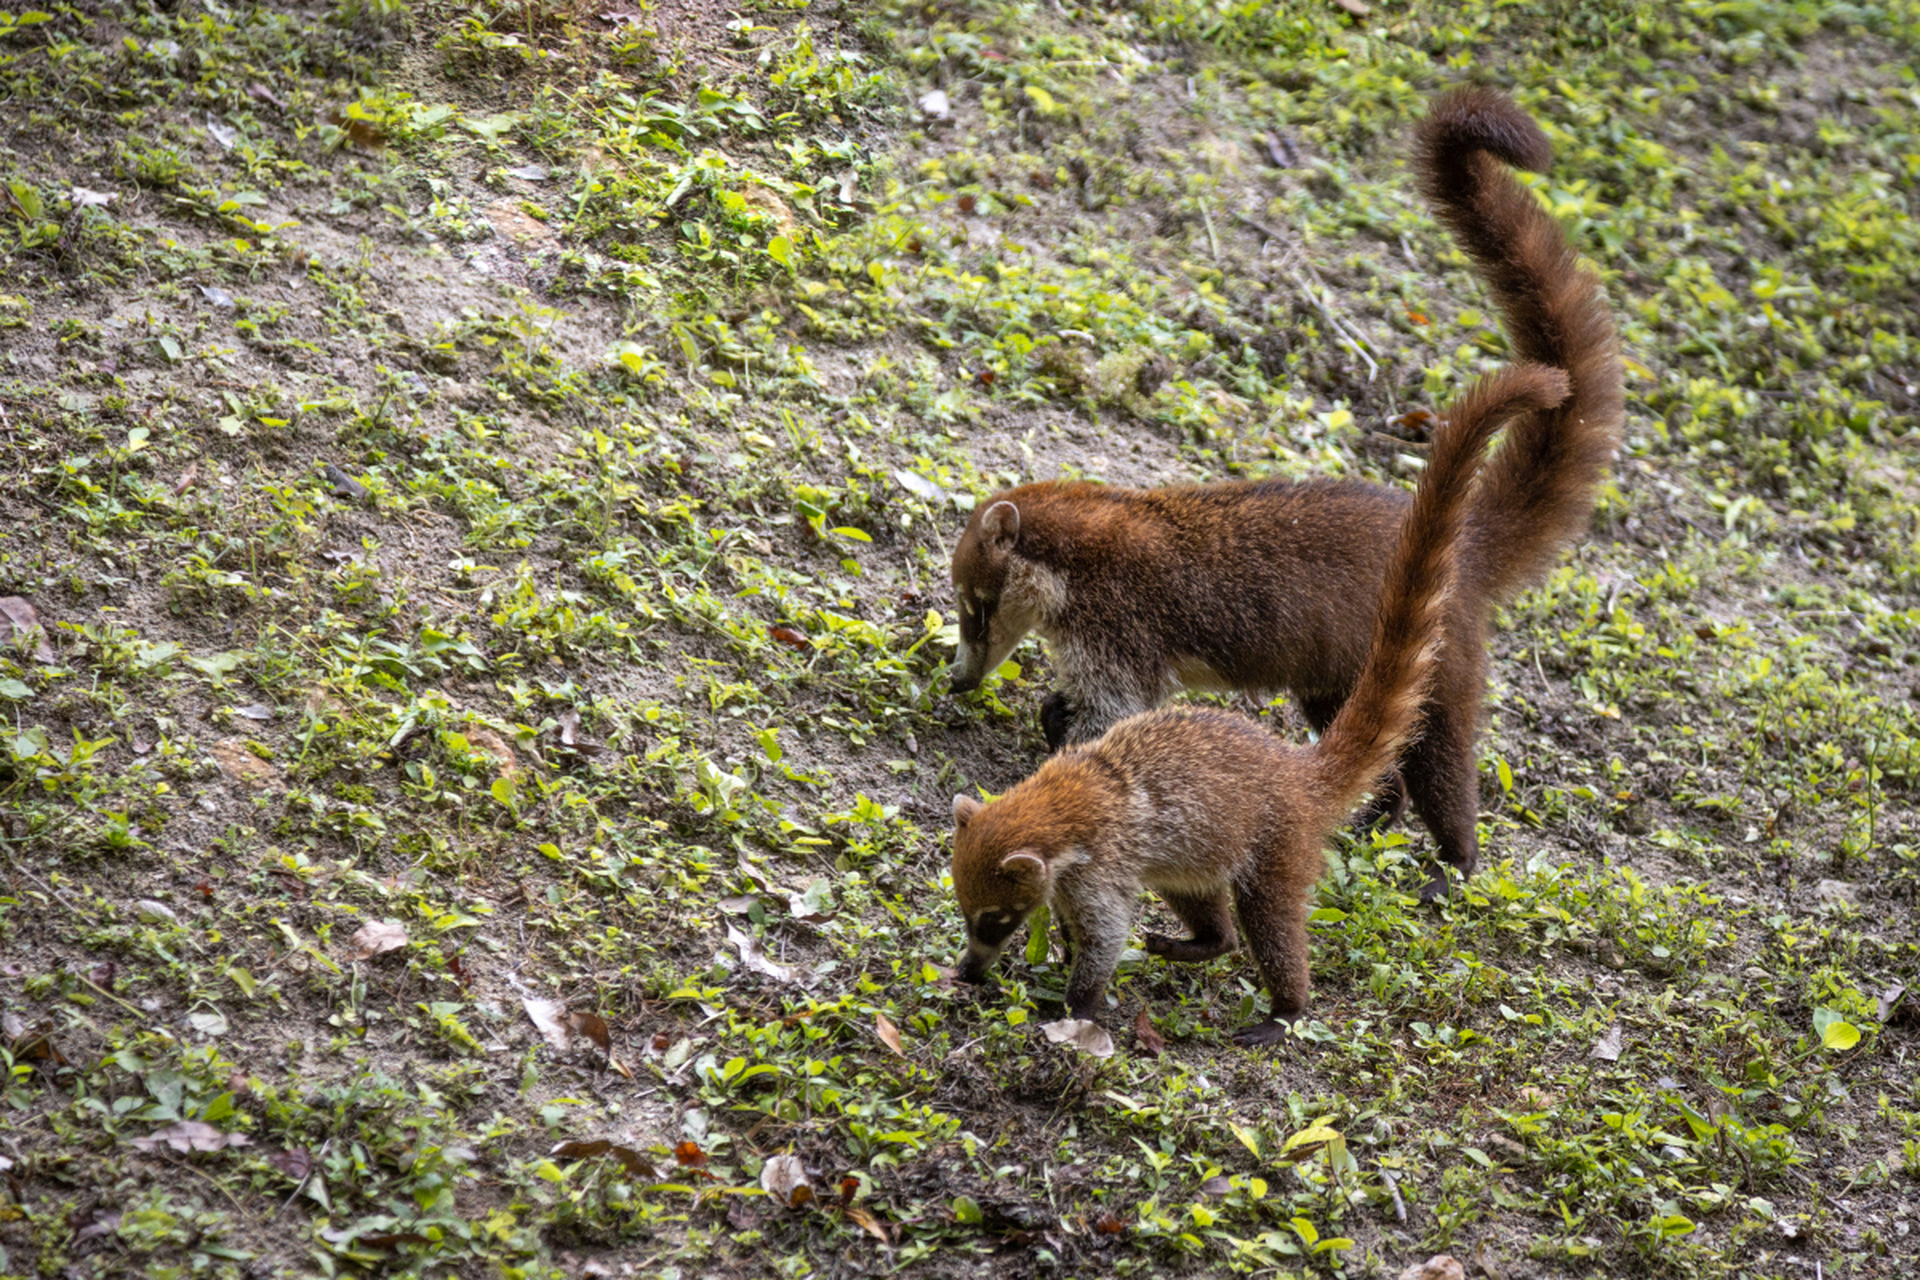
1208	808
1272	586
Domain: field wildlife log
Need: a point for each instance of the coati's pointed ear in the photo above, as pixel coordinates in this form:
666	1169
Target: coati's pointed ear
1026	866
964	807
1000	525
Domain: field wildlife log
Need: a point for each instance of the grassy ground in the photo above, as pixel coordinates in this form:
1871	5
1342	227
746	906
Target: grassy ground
484	474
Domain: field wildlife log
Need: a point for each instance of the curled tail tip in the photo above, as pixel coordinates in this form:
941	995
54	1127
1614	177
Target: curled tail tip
1520	387
1472	119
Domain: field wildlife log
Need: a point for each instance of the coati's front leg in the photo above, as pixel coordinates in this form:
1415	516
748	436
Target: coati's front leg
1056	715
1099	692
1099	919
1209	921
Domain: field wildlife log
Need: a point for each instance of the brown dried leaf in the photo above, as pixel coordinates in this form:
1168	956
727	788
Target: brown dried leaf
1218	1185
792	637
187	478
19	622
570	738
867	1223
260	93
594	1028
785	1179
1150	1040
1607	1047
888	1033
362	133
690	1155
295	1162
345	486
632	1161
104	1225
1089	1038
377	937
1109	1225
191	1135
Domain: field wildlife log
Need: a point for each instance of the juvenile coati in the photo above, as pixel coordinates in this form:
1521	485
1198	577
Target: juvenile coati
1208	808
1269	585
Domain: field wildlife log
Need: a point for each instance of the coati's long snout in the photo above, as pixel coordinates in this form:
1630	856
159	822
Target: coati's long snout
1001	596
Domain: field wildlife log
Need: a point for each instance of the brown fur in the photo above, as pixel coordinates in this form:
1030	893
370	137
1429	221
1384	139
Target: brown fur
1220	817
1272	586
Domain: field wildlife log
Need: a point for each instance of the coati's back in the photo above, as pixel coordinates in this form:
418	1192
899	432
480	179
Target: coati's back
1269	585
1200	788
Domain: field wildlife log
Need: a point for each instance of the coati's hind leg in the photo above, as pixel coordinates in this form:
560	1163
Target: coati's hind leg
1209	921
1271	902
1389	800
1445	787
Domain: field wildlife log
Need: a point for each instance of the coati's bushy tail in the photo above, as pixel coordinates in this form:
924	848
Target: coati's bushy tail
1381	716
1536	493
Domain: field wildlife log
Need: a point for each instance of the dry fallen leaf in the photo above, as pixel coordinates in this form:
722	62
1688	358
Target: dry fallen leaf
689	1155
1150	1040
549	1016
295	1162
105	1225
1088	1037
792	637
888	1033
868	1223
1358	8
1607	1047
191	1135
785	1179
377	937
593	1027
570	739
1218	1185
755	958
631	1160
345	486
1441	1266
17	620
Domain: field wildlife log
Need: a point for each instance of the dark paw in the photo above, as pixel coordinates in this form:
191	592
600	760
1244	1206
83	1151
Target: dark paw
1438	890
1256	1034
972	975
1055	717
